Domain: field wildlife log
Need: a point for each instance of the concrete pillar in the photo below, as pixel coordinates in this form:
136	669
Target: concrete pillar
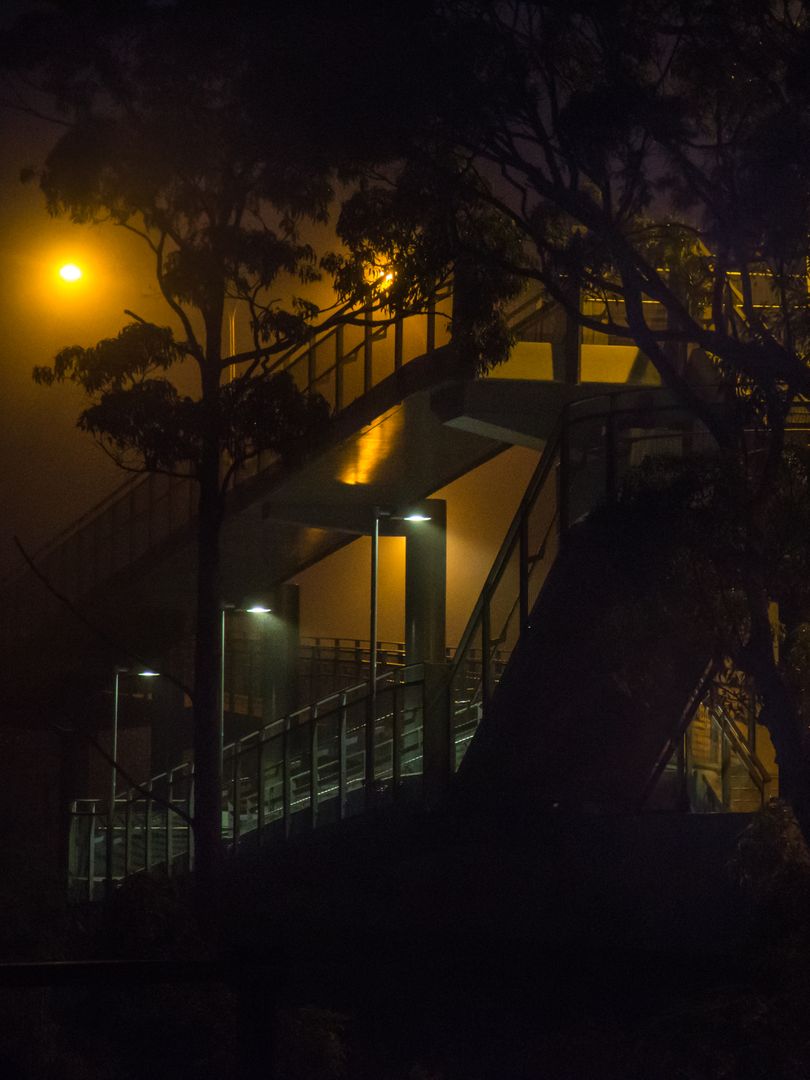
279	650
170	726
426	584
567	354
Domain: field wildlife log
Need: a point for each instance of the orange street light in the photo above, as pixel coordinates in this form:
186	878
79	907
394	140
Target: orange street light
70	272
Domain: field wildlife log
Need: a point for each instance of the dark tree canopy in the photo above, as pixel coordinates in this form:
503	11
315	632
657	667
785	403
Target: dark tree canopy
648	166
627	153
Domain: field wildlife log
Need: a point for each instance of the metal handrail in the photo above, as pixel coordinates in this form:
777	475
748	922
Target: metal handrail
605	409
287	360
539	477
162	839
756	770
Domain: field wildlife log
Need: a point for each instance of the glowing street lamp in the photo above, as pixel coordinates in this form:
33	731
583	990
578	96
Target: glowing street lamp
379	513
252	609
146	673
70	272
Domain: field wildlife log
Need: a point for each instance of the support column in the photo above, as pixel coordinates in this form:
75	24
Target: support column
426	584
567	355
280	649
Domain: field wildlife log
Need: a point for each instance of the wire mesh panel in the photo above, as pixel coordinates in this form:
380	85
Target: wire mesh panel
272	776
410	718
299	758
504	617
542	534
383	746
158	817
305	770
119	852
227	792
136	827
466	695
246	785
356	713
86	858
328	761
179	831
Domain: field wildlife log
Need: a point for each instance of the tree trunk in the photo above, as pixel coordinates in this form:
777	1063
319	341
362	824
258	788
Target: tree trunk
208	644
207	781
779	713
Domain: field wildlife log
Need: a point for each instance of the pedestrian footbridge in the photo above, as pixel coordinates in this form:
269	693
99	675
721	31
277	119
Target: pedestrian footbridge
520	717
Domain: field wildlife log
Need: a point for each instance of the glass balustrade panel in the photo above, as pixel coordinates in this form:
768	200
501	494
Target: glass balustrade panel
355	752
465	697
504	616
328	763
543	534
273	778
410	702
299	759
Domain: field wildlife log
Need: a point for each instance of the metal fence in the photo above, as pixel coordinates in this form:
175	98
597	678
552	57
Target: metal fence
342	364
594	445
319	765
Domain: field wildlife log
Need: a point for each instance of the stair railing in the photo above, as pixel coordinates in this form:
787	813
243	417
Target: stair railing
342	364
299	772
595	441
758	774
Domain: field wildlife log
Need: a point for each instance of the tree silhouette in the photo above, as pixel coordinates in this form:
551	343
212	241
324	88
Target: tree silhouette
166	135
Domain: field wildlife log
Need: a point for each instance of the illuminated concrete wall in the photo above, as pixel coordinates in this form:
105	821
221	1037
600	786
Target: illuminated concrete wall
480	507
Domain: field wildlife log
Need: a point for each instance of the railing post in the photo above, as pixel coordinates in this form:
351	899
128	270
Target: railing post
147	824
368	370
486	673
311	376
260	788
338	368
191	817
313	767
285	775
169	811
431	324
91	854
127	837
681	765
725	769
399	335
370	747
236	793
342	758
523	571
397	690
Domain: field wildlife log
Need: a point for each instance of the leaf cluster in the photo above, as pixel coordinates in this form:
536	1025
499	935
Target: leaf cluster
695	517
650	156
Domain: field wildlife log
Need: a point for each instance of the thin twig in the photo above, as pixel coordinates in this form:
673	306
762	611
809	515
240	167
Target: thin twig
102	635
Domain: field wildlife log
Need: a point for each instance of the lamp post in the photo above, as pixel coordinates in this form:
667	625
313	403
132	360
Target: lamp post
118	671
257	608
371	715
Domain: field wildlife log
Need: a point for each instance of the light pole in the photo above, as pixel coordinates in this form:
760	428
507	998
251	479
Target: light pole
371	714
118	671
256	608
375	576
